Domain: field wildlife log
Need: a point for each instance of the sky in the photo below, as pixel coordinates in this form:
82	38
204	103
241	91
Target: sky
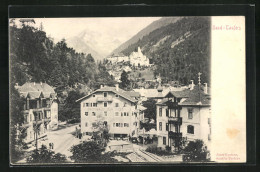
104	34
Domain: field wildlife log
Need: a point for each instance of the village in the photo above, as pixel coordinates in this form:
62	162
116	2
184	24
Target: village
117	119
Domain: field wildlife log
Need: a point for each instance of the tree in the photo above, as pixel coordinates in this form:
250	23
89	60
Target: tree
91	152
196	151
101	130
125	82
16	128
71	108
43	155
150	111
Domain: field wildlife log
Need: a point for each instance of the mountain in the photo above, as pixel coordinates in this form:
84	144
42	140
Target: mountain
81	46
179	49
153	26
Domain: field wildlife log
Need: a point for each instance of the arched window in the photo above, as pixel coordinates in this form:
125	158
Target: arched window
190	129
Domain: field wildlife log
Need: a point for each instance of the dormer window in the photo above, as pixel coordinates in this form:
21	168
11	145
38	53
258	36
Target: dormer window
105	94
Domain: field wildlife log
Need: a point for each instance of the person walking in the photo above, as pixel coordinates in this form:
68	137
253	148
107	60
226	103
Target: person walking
50	145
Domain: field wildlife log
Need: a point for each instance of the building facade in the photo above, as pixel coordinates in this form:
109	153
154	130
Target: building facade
138	58
184	116
40	110
112	106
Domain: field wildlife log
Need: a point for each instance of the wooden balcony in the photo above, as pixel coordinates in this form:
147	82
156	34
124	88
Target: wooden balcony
174	134
104	99
175	120
173	105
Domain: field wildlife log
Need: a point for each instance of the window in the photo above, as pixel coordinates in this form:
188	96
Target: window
94	104
190	115
167	127
124	104
121	124
105	113
117	105
164	140
127	114
86	124
160	111
86	113
126	125
116	95
116	113
160	126
117	124
124	113
190	129
209	121
94	95
30	117
105	104
86	104
167	112
90	104
93	113
105	94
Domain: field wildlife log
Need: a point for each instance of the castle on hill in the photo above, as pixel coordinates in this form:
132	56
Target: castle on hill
135	58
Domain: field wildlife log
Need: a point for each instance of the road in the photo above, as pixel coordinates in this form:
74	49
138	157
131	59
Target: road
63	140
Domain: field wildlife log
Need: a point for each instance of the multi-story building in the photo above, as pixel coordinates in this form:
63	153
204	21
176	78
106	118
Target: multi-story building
116	108
184	116
138	58
40	109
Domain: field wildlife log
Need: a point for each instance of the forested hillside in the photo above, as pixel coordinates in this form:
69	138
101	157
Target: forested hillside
35	57
154	25
179	50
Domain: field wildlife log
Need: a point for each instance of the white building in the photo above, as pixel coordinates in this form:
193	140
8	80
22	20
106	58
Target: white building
116	58
113	106
135	58
138	58
40	109
184	115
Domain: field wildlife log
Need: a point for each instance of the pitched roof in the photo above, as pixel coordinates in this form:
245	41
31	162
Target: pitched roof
197	97
191	97
120	92
34	90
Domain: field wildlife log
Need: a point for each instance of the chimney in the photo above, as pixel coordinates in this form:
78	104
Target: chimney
33	83
41	83
117	87
192	85
206	88
101	86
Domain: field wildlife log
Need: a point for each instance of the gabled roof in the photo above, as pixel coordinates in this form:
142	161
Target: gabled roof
197	97
35	90
192	97
120	92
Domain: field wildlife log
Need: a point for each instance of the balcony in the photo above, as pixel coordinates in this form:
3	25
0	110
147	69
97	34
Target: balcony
174	134
37	110
172	105
46	119
104	99
175	120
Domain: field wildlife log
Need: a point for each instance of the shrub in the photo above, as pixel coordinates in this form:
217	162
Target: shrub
158	151
196	151
43	155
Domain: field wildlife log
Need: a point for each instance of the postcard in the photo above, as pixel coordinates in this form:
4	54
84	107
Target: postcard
127	90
